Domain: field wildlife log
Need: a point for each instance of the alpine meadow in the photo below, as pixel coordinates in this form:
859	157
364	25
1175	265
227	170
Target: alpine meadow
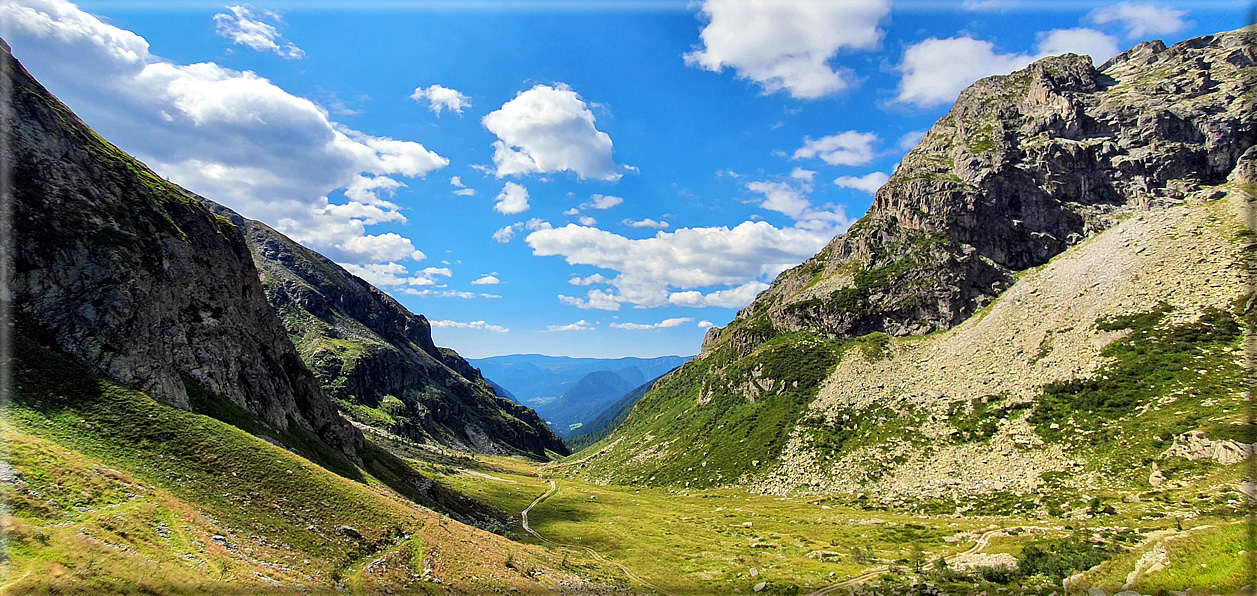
856	297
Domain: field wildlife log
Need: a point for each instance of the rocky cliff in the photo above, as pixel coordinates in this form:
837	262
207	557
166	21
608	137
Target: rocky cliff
377	360
1022	167
135	278
1109	199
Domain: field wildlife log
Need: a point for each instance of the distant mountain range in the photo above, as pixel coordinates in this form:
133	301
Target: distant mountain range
569	393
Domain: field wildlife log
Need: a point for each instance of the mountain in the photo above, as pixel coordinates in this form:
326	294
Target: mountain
376	359
606	422
588	397
132	277
1058	261
161	432
569	391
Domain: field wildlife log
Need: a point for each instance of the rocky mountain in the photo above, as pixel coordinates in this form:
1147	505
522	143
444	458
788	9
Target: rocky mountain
988	326
133	277
377	360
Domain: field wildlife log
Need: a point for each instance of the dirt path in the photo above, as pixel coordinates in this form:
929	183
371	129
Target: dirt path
553	490
978	545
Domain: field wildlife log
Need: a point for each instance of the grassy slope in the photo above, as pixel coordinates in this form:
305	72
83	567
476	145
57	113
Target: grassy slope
707	541
115	492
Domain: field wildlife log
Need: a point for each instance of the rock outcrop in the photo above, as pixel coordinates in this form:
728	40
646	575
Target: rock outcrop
1023	166
135	278
1059	233
378	360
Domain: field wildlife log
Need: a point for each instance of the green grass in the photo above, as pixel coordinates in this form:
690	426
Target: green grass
1165	379
119	493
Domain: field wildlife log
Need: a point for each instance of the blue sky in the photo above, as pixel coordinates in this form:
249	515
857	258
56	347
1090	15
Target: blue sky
569	178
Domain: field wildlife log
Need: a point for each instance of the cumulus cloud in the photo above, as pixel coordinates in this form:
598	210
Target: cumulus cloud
601	202
513	199
245	27
487	280
847	148
585	220
581	325
867	183
593	299
596	278
441	98
802	174
787	46
650	270
936	70
571	212
705	324
549	129
1141	19
506	233
480	325
1080	40
730	298
229	135
645	223
396	275
664	324
430	293
791	198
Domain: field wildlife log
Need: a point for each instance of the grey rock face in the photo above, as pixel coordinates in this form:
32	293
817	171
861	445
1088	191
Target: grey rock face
132	276
1023	166
363	347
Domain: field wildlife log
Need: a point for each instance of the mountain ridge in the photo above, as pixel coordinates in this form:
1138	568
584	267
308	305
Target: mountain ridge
1070	152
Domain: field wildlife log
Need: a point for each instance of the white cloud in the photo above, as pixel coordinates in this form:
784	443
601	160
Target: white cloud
396	275
791	199
229	135
596	278
547	130
867	183
910	140
456	181
1141	19
585	220
504	234
440	98
1087	42
781	197
513	199
935	71
601	202
787	46
465	192
481	325
730	298
594	299
802	174
427	293
581	325
487	280
705	324
689	259
571	212
664	324
847	148
645	223
247	28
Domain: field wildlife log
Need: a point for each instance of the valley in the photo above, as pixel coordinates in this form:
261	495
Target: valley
1026	370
